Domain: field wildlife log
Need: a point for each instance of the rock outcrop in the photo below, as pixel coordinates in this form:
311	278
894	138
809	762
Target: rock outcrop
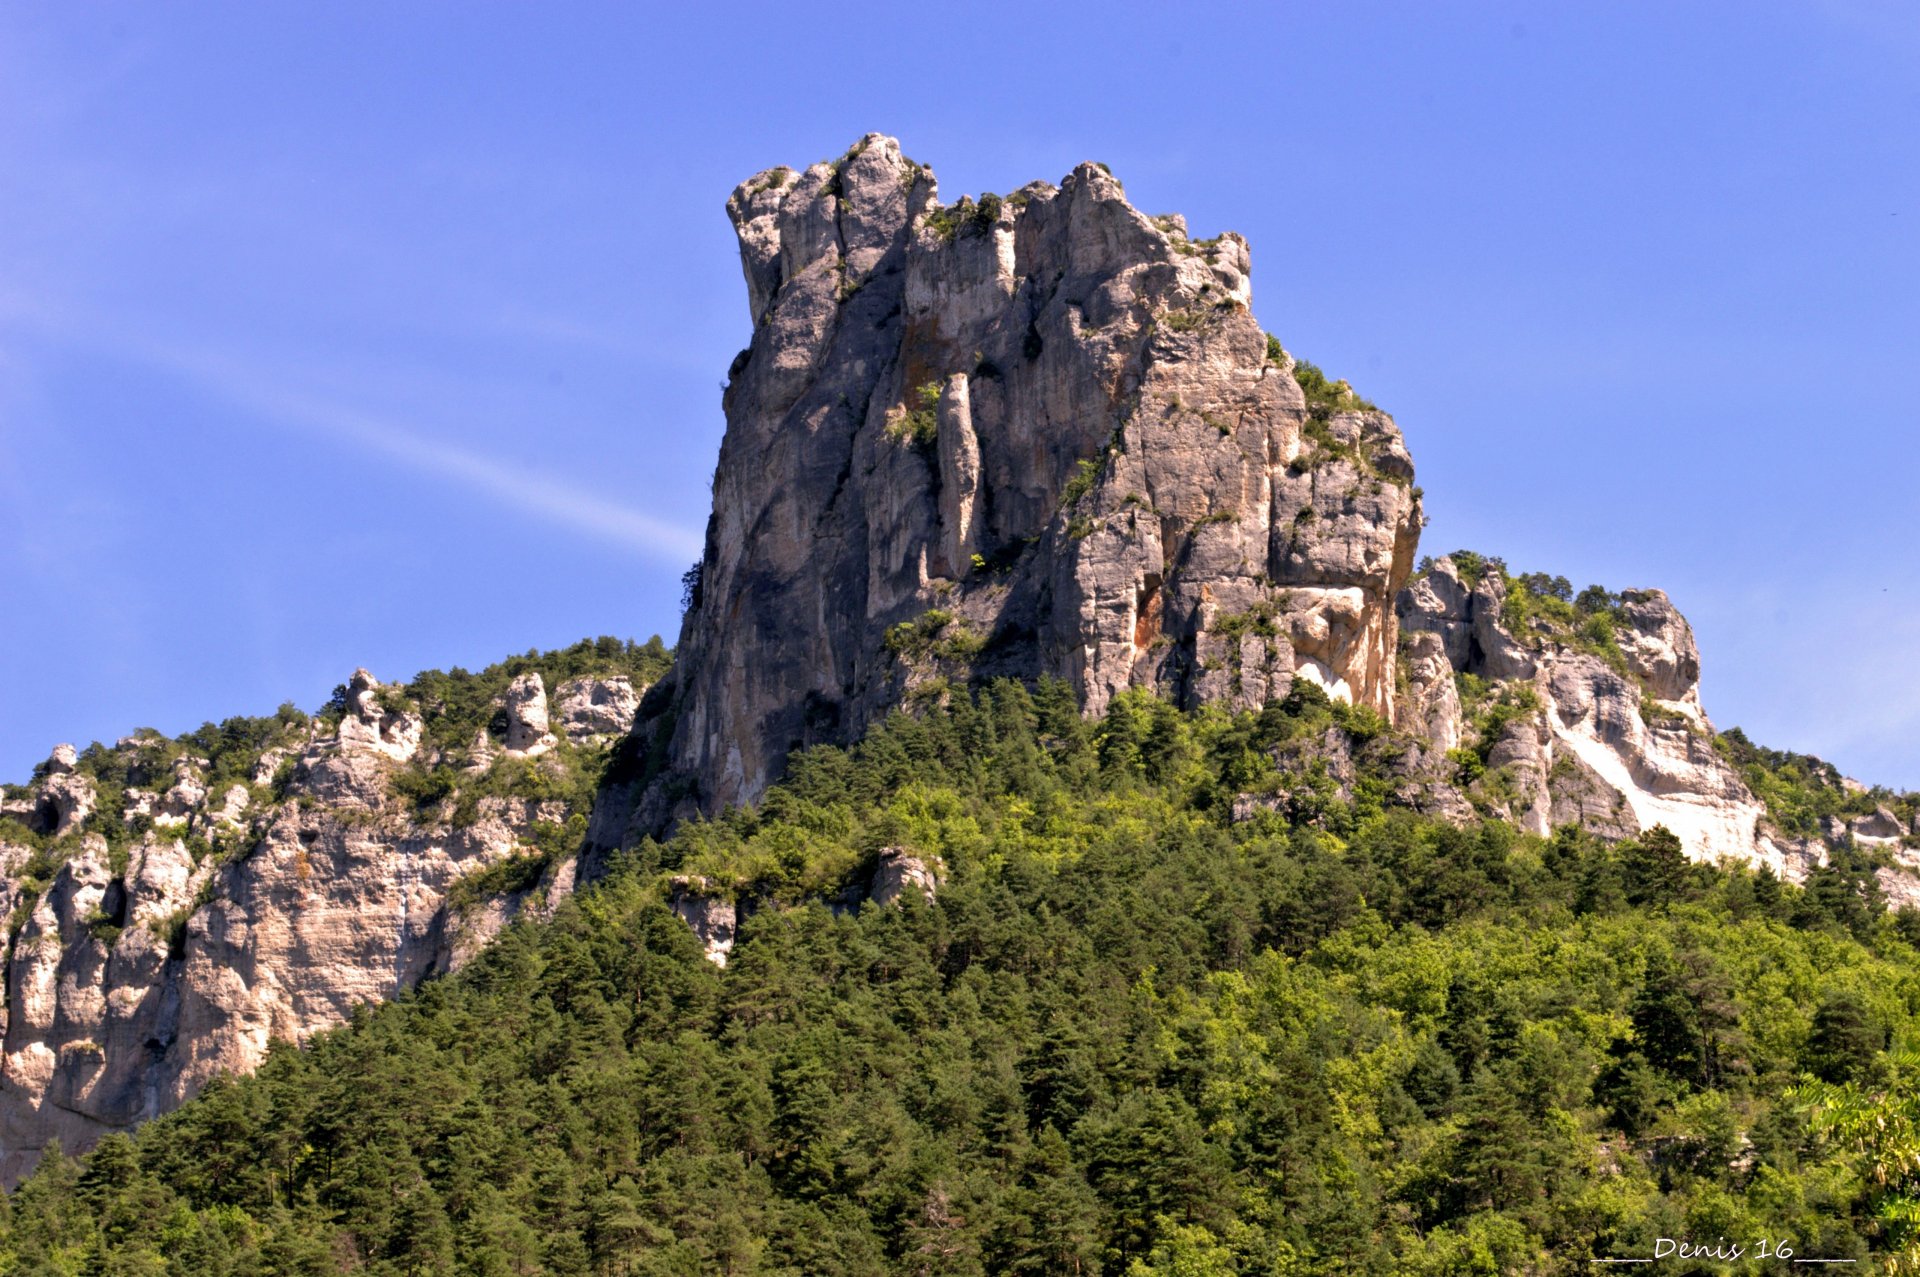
593	709
900	871
526	713
713	918
1598	726
349	862
1038	435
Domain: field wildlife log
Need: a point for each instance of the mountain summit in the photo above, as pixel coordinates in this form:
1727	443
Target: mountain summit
1042	435
1038	434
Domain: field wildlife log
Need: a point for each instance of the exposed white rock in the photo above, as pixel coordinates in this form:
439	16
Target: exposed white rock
526	705
1591	755
233	806
369	727
713	917
138	803
268	767
481	753
1879	828
1659	647
1669	774
594	708
1901	883
65	800
176	806
126	992
899	872
475	928
1432	700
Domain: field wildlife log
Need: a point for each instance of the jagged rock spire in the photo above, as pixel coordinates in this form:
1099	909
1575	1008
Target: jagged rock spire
1038	434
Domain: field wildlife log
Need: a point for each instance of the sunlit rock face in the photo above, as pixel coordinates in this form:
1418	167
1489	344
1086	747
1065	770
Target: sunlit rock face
1039	434
238	914
1616	746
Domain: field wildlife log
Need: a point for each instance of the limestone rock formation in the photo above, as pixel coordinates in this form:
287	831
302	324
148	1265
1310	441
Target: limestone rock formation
898	872
526	709
1431	703
371	728
597	708
1033	435
712	917
1609	737
1042	435
228	913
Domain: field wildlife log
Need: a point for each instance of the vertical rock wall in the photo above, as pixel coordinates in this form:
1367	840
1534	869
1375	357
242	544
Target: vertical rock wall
1033	435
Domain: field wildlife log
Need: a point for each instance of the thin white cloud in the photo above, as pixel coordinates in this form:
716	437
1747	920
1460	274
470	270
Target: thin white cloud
266	397
543	496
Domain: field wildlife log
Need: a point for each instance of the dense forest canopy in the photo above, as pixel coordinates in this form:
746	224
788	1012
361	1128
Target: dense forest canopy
1141	1030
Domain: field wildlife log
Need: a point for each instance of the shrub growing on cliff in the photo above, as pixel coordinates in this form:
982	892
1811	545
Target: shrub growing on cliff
1086	472
456	703
1324	397
1802	792
919	423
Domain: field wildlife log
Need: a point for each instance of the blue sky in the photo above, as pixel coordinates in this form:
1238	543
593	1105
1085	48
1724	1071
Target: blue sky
367	334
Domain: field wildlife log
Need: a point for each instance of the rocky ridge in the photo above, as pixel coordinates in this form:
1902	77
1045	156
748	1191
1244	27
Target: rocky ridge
1553	709
176	905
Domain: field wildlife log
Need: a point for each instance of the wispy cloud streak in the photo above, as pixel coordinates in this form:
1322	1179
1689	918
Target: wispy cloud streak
547	497
266	397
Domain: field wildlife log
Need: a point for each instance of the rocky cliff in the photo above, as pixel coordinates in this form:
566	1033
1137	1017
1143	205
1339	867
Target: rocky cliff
1547	709
1038	434
1042	434
175	905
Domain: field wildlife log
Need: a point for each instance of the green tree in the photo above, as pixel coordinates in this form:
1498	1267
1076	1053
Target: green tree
1881	1129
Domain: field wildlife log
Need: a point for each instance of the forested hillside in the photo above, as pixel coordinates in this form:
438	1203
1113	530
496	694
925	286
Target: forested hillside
1132	1035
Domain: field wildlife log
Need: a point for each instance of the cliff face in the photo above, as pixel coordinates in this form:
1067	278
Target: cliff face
171	913
1033	435
1590	715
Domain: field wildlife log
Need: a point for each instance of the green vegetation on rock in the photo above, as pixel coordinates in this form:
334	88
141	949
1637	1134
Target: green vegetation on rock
1538	609
1803	792
456	704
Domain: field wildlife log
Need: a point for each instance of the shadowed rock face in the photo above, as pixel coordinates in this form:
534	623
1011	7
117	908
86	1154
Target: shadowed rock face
1038	435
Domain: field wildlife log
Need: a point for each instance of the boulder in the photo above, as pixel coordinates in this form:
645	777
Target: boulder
898	872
